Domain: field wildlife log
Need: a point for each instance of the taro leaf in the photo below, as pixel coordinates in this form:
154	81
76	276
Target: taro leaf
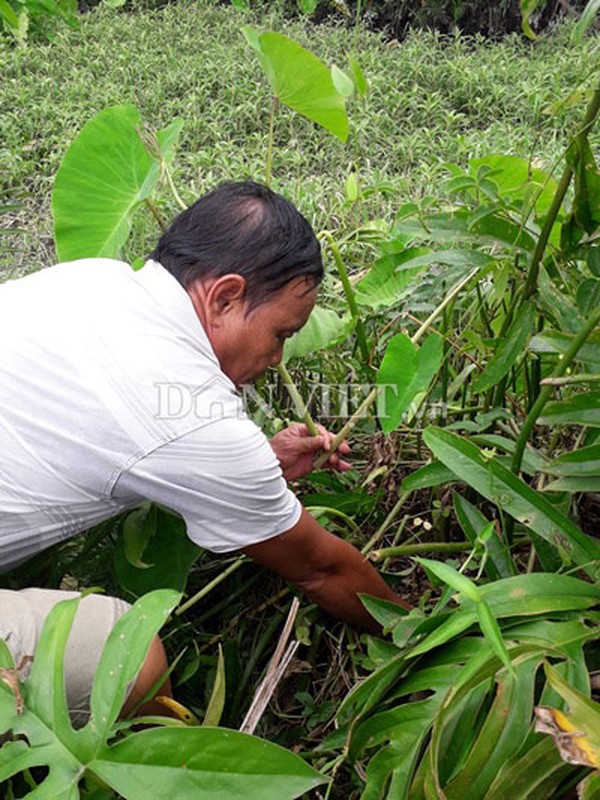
405	372
300	80
324	328
586	201
385	285
170	552
204	763
473	522
105	175
580	409
578	463
518	180
499	485
216	703
577	732
429	475
508	351
450	258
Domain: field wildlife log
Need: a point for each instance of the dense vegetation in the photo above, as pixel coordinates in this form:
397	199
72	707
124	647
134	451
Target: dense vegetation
416	186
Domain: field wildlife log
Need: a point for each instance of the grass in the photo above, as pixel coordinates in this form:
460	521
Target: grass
432	99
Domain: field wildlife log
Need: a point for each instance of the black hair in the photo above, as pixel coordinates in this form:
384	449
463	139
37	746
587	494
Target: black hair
241	227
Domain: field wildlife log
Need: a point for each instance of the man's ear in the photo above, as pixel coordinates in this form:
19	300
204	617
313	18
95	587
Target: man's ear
226	292
215	297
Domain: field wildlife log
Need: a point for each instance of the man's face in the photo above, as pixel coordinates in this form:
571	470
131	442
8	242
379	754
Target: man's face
248	343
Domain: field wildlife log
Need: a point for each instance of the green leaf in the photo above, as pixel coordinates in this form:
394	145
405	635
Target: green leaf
527	8
204	763
169	551
514	496
405	371
429	475
343	84
473	522
451	258
324	328
384	285
358	76
508	352
454	579
216	703
491	631
307	6
8	15
580	409
586	20
586	200
578	463
123	656
518	180
555	342
138	528
105	175
300	81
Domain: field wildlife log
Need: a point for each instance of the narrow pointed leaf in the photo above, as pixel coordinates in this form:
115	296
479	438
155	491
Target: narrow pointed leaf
580	409
204	763
497	484
508	352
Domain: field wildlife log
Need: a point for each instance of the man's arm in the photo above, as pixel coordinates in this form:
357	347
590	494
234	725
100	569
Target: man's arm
327	569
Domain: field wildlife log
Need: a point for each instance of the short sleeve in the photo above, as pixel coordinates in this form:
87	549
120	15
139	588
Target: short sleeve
224	480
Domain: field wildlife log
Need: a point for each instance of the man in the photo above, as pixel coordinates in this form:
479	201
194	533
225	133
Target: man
93	355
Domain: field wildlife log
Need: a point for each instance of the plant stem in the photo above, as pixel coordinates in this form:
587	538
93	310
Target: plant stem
269	162
559	196
350	298
386	523
583	377
422	547
542	398
210	585
301	409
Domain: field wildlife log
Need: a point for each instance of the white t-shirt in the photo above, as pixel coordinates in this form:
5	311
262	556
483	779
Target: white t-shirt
110	393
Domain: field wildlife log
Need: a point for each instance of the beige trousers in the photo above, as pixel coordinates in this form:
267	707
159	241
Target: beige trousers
22	615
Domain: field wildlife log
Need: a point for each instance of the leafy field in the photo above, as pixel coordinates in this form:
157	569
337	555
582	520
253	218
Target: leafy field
464	269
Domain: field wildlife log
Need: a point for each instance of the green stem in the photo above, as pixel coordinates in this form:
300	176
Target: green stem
557	201
386	523
350	298
301	409
583	377
422	547
545	392
269	163
210	586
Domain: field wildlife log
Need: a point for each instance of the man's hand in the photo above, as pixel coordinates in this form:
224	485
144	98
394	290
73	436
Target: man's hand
296	450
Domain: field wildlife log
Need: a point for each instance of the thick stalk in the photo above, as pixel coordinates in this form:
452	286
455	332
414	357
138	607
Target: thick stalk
540	248
418	549
350	299
299	404
546	390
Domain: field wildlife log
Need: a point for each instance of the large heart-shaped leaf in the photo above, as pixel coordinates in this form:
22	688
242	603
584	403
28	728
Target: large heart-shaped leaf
324	327
106	173
405	372
300	80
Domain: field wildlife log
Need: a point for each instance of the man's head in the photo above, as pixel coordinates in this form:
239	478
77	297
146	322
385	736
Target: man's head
251	264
